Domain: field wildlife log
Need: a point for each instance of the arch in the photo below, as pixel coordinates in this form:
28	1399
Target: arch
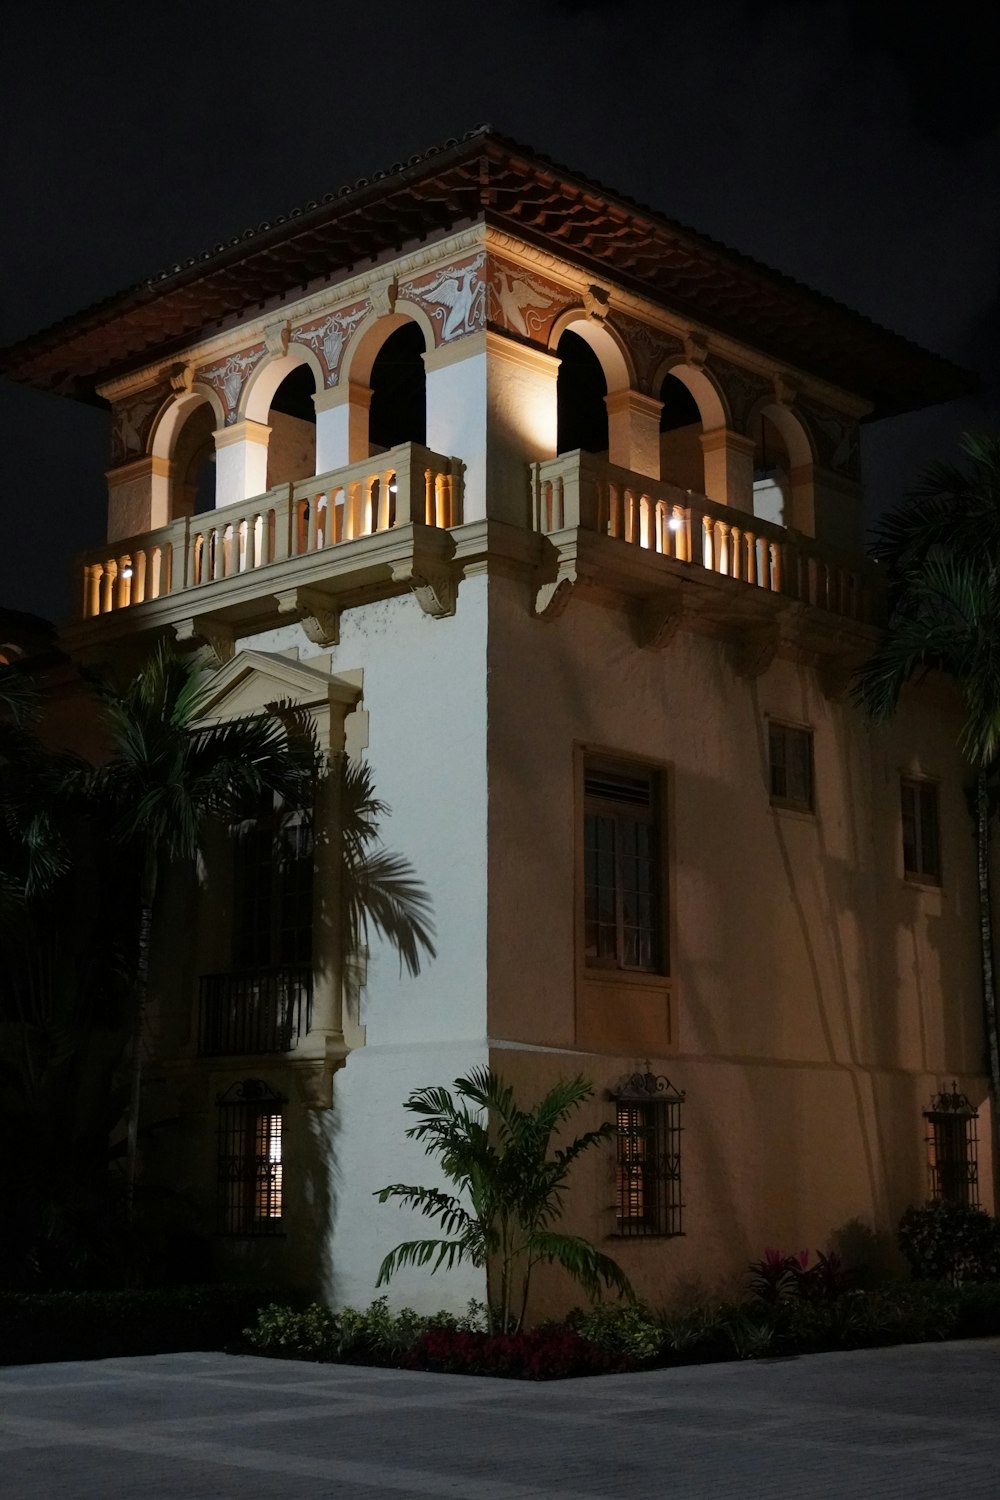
173	415
707	393
795	434
609	346
361	352
258	393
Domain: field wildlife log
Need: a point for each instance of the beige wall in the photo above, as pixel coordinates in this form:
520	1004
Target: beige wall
818	998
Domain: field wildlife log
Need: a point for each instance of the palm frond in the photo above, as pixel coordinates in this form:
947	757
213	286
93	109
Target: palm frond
587	1265
446	1253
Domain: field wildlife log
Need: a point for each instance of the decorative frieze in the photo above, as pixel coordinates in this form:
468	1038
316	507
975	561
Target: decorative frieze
648	346
131	423
329	336
523	303
741	388
454	298
229	376
836	438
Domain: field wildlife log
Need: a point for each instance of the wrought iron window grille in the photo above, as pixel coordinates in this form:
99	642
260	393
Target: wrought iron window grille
649	1202
250	1165
952	1148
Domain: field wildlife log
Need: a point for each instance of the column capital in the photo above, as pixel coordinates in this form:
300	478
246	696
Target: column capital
242	432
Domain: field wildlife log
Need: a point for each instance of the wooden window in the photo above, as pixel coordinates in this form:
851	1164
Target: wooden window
623	876
790	753
921	837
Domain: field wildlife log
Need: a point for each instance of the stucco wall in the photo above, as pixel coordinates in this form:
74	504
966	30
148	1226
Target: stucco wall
818	998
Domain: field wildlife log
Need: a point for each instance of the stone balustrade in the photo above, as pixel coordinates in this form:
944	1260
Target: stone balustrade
406	484
579	490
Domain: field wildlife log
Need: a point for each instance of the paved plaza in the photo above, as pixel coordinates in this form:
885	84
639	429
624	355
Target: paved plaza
891	1423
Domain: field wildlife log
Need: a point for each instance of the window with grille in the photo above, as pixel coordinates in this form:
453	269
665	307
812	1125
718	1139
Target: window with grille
921	839
790	753
250	1162
623	877
952	1149
648	1157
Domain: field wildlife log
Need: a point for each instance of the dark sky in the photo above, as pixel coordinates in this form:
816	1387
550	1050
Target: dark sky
855	146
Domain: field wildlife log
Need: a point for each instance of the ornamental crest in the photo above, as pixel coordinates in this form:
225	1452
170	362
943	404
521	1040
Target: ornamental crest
522	303
229	377
454	298
328	337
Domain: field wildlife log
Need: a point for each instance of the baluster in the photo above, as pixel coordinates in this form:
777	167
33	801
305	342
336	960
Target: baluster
722	547
751	541
736	552
337	521
253	542
312	524
430	496
139	577
774	552
124	591
92	589
708	544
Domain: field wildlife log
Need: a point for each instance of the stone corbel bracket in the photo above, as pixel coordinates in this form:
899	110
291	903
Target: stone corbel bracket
432	583
658	619
753	649
316	612
219	637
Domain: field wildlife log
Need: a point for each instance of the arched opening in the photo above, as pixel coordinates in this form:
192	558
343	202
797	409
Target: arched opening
193	486
581	388
681	459
398	411
771	470
291	447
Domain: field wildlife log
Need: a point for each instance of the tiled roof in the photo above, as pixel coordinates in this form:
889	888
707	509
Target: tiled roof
484	176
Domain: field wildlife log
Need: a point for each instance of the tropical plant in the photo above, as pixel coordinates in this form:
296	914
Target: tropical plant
942	557
499	1158
165	780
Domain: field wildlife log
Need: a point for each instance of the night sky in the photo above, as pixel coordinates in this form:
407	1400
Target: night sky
855	146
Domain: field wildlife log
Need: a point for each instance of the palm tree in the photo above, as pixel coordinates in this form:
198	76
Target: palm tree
168	778
952	507
945	618
498	1157
165	781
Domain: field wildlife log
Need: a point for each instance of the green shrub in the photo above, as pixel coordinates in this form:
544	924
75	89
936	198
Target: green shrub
950	1242
373	1333
38	1327
628	1328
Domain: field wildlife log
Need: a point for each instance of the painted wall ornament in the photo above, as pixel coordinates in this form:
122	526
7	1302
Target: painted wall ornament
229	376
523	303
648	346
454	298
837	439
131	421
328	337
741	388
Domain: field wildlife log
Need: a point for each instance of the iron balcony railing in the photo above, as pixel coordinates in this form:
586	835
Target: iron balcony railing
253	1012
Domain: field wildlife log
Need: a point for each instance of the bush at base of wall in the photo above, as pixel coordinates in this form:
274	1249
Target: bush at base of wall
38	1327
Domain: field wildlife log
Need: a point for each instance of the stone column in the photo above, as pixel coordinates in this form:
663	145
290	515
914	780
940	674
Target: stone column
342	425
728	468
457	396
634	432
138	497
240	461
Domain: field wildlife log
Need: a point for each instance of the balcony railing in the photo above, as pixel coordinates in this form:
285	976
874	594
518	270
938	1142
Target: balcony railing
408	483
578	490
260	1011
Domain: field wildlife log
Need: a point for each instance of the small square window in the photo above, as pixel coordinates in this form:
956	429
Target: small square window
791	766
921	837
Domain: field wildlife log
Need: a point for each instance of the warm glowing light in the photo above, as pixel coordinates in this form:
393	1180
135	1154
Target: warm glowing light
674	524
127	571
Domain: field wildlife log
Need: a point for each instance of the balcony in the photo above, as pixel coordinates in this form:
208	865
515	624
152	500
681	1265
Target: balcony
689	538
236	553
253	1013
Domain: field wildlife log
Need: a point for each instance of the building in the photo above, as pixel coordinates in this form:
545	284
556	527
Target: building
551	510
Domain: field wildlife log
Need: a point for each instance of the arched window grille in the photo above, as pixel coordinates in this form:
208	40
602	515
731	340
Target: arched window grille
952	1148
648	1157
250	1162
